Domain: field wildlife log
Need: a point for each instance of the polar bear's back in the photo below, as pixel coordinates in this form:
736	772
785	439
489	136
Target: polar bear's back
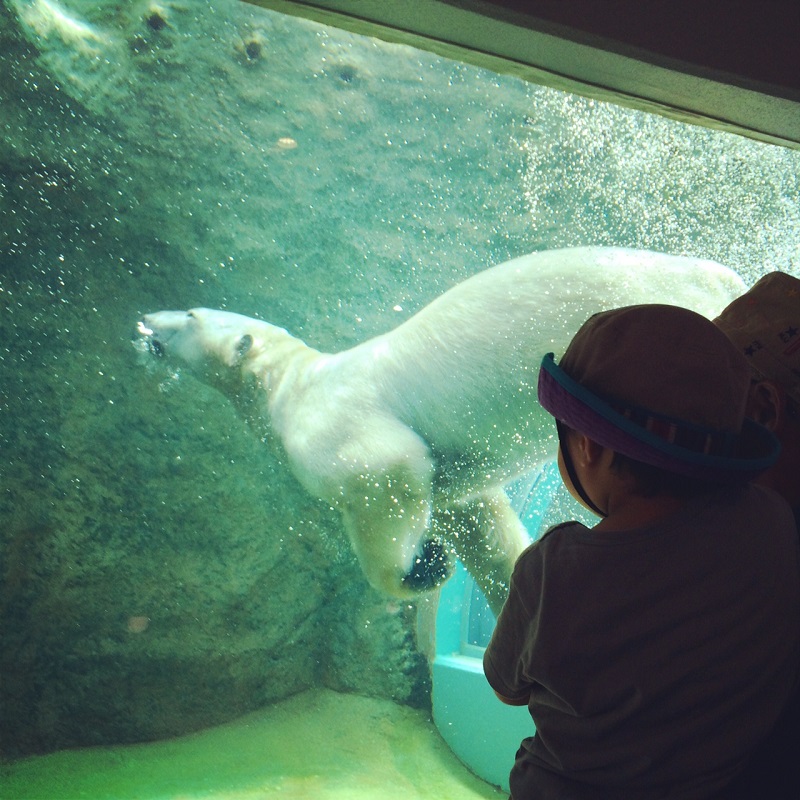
550	294
463	371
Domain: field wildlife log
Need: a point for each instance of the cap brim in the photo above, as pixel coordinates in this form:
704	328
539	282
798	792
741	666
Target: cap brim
755	450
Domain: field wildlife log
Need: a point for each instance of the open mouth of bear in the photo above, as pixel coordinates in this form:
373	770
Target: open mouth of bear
154	346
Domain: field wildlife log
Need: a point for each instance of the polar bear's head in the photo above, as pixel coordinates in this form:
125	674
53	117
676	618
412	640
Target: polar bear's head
219	347
199	335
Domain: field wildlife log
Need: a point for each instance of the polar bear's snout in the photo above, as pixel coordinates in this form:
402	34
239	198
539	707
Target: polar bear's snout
432	566
159	328
155	347
150	336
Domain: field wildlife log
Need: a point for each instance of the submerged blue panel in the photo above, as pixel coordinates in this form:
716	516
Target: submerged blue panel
483	732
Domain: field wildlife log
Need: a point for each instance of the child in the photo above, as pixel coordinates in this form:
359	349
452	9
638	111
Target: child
656	649
764	323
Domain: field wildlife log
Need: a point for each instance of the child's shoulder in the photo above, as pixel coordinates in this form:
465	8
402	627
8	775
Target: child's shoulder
550	546
572	526
558	533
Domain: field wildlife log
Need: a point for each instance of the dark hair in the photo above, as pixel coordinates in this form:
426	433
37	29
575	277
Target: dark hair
650	481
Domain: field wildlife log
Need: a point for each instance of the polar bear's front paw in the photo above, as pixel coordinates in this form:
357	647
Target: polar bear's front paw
431	568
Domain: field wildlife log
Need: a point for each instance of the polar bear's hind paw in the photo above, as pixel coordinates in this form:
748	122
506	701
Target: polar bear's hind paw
431	568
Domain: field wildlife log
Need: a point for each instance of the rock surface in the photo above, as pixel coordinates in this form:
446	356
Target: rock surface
160	569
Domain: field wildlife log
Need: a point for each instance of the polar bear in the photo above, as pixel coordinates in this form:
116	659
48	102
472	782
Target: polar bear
413	434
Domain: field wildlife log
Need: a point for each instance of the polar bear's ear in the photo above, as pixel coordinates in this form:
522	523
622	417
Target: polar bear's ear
241	349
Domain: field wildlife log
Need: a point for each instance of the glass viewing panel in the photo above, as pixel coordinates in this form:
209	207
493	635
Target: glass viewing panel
164	568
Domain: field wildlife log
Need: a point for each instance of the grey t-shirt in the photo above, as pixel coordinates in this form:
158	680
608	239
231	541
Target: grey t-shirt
653	659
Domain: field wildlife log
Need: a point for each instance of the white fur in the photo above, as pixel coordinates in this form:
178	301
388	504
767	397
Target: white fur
413	433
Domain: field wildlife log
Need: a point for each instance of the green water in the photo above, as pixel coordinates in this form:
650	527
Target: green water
162	571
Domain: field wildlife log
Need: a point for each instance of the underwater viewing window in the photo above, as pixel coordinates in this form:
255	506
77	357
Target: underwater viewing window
541	501
479	622
184	605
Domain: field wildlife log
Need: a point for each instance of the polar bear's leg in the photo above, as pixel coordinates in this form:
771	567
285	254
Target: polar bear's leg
387	514
488	537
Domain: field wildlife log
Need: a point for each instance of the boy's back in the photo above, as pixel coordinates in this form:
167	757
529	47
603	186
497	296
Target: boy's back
661	656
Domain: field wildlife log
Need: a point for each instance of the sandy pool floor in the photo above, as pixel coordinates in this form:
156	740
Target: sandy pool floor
316	746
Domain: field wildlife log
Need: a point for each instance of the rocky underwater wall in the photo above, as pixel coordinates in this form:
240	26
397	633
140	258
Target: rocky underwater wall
161	569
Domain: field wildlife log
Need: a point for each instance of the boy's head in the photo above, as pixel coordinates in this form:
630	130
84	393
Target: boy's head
764	324
663	386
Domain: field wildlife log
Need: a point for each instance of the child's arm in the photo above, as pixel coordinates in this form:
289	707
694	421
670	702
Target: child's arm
504	658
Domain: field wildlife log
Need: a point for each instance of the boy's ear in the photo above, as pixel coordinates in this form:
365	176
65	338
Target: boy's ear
765	404
589	450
